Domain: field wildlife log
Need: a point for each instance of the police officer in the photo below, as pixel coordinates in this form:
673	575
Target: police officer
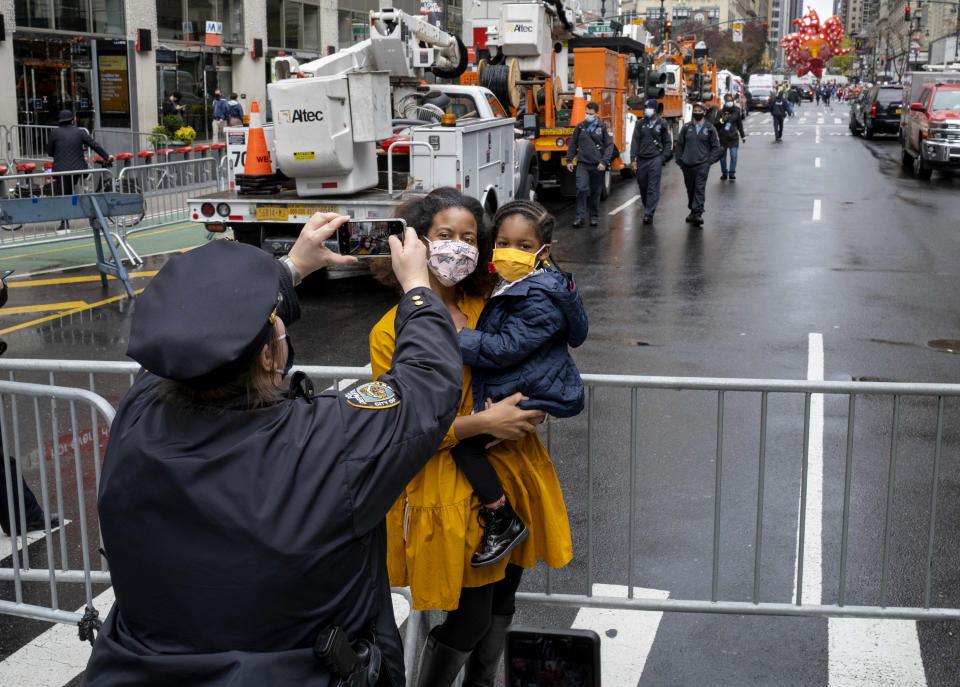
65	146
650	148
592	145
241	521
697	148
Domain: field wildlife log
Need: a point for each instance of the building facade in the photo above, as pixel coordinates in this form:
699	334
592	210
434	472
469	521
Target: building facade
114	62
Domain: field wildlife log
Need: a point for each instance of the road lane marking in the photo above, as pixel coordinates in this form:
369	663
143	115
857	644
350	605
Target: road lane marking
816	211
74	280
91	244
625	650
811	591
6	543
818	134
836	120
627	204
867	651
58	315
820	118
816	163
44	307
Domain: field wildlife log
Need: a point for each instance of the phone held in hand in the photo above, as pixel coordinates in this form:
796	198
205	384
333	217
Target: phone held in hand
537	656
368	238
6	273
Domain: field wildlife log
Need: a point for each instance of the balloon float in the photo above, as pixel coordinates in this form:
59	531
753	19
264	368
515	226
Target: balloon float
813	44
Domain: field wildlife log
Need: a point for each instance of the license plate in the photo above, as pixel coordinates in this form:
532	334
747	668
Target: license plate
273	213
898	110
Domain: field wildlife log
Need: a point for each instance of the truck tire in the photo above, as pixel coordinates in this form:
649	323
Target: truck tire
531	180
906	160
920	169
867	132
607	184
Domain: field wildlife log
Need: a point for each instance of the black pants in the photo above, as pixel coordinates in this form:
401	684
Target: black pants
695	179
648	178
777	127
470	455
32	509
589	187
467	625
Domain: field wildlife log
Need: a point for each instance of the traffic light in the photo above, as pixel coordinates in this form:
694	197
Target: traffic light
696	87
667	25
906	14
766	31
653	89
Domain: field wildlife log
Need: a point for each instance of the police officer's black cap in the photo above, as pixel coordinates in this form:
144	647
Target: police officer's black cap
207	314
66	116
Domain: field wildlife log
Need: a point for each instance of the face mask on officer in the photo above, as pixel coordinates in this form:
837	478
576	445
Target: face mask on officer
452	260
697	115
590	117
648	112
290	355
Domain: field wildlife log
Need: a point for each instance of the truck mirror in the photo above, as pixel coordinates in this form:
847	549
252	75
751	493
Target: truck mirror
916	107
531	126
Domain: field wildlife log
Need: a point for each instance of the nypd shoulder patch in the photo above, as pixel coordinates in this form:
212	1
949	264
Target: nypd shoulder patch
374	395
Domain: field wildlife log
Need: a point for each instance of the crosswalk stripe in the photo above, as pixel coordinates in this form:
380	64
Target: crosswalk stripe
879	653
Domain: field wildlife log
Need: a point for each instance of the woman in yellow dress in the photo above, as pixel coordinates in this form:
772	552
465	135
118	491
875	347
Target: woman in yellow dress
433	529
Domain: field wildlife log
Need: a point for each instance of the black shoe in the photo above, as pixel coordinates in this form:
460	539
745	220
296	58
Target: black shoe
723	177
691	218
648	219
577	223
594	222
439	663
697	220
733	177
503	530
39	524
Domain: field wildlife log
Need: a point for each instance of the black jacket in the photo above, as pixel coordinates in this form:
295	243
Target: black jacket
650	140
730	127
234	536
591	145
697	149
65	146
778	106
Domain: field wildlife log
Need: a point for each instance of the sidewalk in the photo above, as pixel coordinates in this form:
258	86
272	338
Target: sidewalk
81	251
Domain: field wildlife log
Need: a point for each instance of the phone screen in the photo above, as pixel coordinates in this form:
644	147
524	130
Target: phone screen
367	238
6	273
552	657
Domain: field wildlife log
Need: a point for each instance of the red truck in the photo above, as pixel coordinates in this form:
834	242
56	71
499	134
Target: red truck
930	122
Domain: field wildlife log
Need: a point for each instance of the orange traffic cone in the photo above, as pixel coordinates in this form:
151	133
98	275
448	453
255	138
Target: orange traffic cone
579	110
257	175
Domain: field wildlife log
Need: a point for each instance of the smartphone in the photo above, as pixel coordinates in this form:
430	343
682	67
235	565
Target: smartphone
6	273
536	656
367	238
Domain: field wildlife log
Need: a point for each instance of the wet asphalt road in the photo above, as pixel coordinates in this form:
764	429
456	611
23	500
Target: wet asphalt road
820	234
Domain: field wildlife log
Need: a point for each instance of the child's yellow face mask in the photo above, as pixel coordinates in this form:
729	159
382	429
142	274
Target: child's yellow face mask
513	264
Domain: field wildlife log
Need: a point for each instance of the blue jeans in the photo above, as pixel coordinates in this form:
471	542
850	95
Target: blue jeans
733	161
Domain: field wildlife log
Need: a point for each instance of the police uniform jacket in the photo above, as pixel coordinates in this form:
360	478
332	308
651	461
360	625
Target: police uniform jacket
650	140
234	536
521	344
433	529
65	146
698	148
778	106
591	144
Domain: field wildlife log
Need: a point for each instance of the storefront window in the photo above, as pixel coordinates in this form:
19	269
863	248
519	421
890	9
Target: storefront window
186	20
99	16
72	15
311	27
353	27
275	24
231	14
36	13
291	24
53	74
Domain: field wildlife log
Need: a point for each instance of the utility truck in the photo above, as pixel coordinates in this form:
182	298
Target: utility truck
359	133
930	122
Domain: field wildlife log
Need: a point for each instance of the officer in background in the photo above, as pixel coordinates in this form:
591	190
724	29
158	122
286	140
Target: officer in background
650	148
697	148
65	146
592	145
242	522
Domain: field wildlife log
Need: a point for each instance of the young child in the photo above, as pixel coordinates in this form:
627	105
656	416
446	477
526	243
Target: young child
520	345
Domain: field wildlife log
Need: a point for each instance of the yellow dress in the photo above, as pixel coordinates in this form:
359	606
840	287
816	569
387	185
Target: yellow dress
433	530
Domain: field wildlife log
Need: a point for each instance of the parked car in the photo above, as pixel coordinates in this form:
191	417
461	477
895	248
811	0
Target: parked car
877	110
759	97
930	136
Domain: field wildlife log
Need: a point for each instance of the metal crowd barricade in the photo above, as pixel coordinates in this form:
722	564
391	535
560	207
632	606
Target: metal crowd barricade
165	187
31	417
27	141
763	428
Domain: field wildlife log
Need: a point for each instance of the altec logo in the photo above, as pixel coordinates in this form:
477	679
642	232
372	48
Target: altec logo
301	116
520	28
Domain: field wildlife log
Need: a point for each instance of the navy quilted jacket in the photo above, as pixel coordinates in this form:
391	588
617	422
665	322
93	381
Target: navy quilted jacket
520	344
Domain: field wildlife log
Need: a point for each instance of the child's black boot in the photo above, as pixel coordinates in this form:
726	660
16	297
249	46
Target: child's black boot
503	530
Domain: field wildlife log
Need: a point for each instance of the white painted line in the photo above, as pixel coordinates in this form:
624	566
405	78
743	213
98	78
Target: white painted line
6	543
625	652
812	553
836	120
55	657
816	210
820	118
816	163
818	133
878	653
627	204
